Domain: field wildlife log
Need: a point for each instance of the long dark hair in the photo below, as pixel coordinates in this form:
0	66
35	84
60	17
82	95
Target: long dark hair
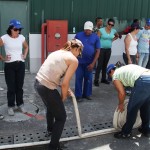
9	30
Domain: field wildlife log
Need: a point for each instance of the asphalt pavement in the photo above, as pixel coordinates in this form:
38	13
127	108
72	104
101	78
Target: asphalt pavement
96	114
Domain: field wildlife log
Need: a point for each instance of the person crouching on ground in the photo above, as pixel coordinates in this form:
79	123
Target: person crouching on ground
59	64
138	78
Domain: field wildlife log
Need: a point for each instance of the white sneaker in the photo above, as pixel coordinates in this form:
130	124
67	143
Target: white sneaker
11	111
22	109
1	89
1	117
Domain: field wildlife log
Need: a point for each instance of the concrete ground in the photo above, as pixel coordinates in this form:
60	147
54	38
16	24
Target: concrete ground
96	114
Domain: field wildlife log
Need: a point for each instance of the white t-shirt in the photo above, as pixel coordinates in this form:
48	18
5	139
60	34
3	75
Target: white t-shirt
13	47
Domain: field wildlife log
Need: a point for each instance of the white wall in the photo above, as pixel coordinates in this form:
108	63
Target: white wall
35	51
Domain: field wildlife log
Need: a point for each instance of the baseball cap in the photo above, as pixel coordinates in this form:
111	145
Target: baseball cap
15	23
136	26
88	25
110	67
148	21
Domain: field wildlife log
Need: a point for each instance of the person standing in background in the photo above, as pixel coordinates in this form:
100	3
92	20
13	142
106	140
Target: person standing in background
98	25
14	68
107	36
128	28
91	50
130	53
143	44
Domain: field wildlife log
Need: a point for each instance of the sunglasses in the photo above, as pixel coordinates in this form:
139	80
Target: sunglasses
110	24
15	29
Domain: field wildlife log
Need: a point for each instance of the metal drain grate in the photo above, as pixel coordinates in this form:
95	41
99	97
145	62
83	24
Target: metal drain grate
69	132
4	140
30	137
36	136
101	126
87	128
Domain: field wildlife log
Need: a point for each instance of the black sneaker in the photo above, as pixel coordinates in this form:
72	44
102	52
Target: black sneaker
144	133
105	81
87	97
96	83
120	135
79	99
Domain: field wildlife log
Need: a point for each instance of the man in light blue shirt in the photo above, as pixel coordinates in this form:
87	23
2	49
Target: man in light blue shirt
143	44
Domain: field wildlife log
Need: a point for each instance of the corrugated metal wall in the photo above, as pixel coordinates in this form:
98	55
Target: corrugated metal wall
79	11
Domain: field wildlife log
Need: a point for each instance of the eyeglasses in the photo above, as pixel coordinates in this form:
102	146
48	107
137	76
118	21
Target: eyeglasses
110	24
15	29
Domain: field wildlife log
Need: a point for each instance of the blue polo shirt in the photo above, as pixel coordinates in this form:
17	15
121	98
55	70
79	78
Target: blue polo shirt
91	43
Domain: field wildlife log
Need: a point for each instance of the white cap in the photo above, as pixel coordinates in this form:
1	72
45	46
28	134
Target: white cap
88	25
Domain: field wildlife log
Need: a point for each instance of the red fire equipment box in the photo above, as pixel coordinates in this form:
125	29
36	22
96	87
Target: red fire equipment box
56	36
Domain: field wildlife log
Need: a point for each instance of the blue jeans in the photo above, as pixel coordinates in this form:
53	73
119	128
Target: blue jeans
139	100
83	81
143	60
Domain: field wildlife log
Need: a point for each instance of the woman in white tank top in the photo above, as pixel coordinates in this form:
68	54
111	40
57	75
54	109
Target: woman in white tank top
130	53
57	71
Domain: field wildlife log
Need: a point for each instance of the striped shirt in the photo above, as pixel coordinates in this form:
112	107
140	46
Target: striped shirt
128	74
